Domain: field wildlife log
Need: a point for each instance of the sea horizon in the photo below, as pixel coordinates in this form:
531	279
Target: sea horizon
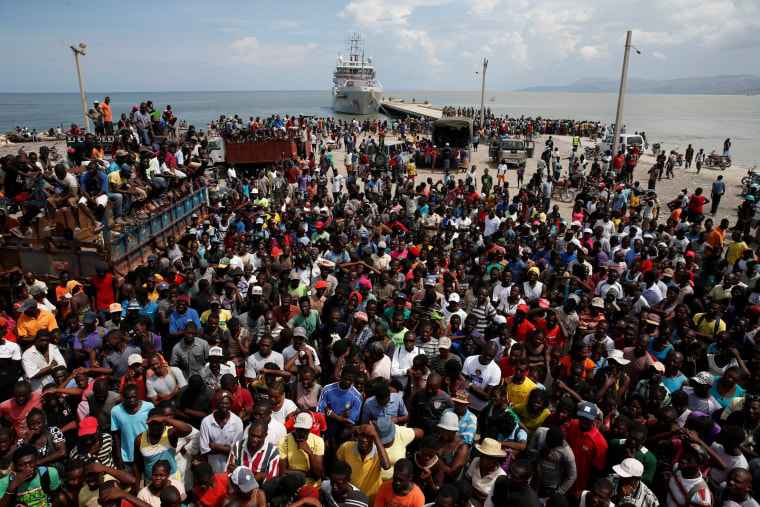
675	120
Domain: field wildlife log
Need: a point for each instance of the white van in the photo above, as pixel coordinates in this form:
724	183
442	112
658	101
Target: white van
628	140
390	148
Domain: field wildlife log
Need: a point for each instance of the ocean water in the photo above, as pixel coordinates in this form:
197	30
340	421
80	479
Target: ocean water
676	120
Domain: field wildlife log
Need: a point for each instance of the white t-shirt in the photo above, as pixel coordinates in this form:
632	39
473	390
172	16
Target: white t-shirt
481	376
288	407
731	461
337	182
16	350
255	363
501	170
289	352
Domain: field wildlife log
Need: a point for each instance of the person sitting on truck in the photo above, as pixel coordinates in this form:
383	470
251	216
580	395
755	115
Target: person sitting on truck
94	185
67	197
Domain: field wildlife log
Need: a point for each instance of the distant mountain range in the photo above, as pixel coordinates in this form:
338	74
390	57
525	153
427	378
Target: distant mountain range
705	85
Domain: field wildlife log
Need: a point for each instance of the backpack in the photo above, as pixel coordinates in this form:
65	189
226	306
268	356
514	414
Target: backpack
694	489
715	327
44	480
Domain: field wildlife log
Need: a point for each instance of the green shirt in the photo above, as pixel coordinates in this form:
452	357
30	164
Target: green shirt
310	324
616	454
31	493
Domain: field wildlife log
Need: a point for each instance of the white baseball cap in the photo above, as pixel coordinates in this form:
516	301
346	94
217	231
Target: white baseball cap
629	467
303	421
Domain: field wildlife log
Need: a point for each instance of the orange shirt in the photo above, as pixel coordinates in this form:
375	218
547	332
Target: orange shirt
28	326
715	237
587	365
106	111
387	498
60	292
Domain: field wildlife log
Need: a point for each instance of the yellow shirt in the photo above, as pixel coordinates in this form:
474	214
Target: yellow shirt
735	251
224	317
365	473
115	181
705	327
518	393
298	459
404	437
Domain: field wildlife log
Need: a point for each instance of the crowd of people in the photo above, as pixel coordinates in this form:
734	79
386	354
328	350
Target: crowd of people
319	340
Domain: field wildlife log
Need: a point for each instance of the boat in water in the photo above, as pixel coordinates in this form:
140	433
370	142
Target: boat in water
355	90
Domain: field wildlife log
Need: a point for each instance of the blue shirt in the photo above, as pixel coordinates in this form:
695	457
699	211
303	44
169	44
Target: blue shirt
150	310
103	181
177	321
130	426
373	410
516	268
674	384
468	424
338	400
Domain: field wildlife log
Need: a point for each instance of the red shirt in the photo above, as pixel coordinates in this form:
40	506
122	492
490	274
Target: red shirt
523	332
318	425
507	370
104	291
696	202
241	399
213	497
590	449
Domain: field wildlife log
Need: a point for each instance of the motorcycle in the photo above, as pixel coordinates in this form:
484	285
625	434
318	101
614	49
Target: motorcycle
678	156
715	160
656	149
750	181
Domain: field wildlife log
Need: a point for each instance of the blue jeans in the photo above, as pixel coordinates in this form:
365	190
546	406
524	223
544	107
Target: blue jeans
121	204
144	136
104	316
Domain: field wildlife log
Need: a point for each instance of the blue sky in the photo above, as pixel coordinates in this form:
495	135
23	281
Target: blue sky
193	45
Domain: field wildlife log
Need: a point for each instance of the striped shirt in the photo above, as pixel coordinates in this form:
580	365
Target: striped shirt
485	313
105	454
468	425
642	497
266	459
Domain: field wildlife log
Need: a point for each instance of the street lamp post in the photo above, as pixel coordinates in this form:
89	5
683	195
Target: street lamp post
621	94
79	50
483	94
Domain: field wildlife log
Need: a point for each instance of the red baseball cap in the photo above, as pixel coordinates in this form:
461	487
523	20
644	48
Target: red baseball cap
414	250
88	426
523	308
321	285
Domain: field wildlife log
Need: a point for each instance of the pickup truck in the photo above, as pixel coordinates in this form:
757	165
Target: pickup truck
512	150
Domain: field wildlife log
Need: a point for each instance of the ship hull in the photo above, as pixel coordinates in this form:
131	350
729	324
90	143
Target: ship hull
360	102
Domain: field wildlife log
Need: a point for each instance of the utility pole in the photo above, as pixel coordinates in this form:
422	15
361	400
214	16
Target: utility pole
483	94
79	50
621	95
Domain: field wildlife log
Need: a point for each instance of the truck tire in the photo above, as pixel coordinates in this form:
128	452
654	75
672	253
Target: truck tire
381	159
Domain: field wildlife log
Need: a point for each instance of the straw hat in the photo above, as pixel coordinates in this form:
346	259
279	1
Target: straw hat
491	447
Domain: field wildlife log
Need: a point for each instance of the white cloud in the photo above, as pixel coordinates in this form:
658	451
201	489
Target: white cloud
659	56
250	51
592	53
481	7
